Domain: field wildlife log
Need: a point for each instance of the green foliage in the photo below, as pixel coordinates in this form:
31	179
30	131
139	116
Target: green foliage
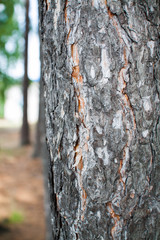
9	30
16	217
10	33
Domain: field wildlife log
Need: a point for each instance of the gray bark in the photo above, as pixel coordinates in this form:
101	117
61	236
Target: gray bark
101	76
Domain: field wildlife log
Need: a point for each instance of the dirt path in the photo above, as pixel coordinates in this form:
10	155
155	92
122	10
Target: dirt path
21	190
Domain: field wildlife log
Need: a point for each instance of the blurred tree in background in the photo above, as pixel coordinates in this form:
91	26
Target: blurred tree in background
10	50
25	138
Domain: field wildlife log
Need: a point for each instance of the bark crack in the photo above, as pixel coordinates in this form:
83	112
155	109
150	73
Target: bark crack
115	217
146	13
65	11
48	3
56	213
130	128
78	164
127	107
77	82
153	154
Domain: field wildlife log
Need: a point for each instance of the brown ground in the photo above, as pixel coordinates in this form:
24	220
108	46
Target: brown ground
21	189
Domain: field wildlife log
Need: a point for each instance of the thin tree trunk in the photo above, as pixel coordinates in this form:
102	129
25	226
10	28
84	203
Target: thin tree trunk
40	128
42	152
101	76
25	125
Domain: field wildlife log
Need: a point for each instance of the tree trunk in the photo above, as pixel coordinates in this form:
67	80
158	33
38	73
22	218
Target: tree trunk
41	151
101	75
40	128
25	125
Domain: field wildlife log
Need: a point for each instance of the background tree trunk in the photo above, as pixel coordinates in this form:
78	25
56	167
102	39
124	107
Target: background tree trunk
40	150
25	125
40	128
101	75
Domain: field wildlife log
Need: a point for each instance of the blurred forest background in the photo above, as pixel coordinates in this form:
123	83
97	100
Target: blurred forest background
12	50
21	137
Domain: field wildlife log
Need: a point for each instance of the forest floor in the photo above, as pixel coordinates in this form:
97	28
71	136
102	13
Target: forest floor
21	189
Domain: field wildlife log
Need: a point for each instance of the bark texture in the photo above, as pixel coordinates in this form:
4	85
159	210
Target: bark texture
101	75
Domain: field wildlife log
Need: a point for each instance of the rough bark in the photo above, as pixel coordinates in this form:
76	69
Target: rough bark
25	125
101	76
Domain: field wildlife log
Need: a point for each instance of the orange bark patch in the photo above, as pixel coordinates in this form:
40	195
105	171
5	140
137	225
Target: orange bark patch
113	214
105	2
132	195
126	97
79	169
115	217
126	104
76	75
129	105
81	104
119	171
74	53
75	72
47	4
78	157
84	194
110	13
92	3
75	69
80	164
59	149
68	35
84	197
87	138
65	11
81	107
57	200
125	58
